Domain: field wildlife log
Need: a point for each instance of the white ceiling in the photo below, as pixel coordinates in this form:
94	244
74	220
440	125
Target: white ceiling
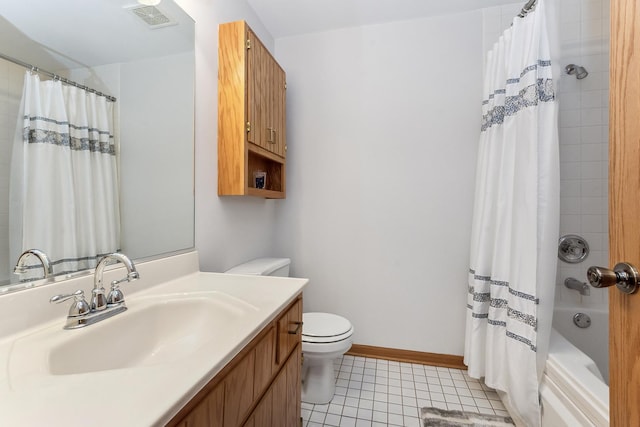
285	18
72	33
56	34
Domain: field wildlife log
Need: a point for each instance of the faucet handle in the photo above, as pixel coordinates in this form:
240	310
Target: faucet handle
80	306
63	297
115	295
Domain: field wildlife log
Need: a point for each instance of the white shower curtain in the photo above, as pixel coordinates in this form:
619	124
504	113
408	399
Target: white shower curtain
515	219
64	190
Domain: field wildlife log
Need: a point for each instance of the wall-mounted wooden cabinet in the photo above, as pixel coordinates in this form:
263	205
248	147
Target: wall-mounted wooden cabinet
251	115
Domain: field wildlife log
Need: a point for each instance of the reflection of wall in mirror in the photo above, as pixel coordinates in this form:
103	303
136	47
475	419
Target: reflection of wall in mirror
157	155
11	82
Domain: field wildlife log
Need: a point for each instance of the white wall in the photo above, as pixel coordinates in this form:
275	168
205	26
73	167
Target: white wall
382	127
228	230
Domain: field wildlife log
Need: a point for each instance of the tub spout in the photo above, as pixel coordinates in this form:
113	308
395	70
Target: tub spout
582	287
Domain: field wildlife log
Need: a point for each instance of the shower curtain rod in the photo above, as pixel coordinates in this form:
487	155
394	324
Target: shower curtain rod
55	76
527	8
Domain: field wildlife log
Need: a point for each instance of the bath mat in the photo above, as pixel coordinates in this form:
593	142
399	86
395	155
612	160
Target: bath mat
434	417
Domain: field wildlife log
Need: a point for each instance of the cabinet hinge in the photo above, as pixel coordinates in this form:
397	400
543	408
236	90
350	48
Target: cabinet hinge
248	43
248	126
285	85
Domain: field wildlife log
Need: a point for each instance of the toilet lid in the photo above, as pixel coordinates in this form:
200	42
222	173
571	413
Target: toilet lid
325	327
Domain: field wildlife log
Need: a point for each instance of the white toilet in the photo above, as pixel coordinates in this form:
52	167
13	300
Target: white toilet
325	336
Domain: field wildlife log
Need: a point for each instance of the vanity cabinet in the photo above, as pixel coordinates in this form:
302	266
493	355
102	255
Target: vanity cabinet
251	115
260	387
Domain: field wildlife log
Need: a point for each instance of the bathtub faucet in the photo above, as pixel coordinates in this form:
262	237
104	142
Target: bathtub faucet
582	287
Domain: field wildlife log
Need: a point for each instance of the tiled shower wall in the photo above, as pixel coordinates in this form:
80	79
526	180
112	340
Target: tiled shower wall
11	78
583	32
584	142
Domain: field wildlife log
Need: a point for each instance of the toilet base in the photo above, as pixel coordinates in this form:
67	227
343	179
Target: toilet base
318	380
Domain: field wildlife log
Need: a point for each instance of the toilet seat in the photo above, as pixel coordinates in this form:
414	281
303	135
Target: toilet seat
325	328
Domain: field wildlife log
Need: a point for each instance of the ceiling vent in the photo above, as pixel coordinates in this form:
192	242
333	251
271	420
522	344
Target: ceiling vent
152	16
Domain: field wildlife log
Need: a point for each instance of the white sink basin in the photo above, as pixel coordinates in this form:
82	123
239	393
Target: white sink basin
147	334
161	332
154	330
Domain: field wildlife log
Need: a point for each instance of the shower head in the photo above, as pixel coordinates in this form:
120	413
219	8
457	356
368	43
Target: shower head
579	71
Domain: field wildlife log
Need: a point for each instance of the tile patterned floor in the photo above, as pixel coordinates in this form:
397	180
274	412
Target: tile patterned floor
375	392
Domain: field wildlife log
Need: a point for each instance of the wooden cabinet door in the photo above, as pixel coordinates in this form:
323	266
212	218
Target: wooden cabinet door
238	391
209	412
286	393
280	406
265	362
292	368
263	414
266	98
258	91
278	109
279	396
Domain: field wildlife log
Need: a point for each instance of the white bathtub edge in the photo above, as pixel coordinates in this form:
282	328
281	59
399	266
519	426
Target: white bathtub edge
572	373
558	410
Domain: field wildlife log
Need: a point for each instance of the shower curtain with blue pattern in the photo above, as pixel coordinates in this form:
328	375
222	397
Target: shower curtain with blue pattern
515	219
64	188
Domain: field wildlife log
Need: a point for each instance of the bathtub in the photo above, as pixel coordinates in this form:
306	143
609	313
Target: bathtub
593	341
572	392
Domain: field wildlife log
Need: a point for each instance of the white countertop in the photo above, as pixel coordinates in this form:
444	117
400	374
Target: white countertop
149	394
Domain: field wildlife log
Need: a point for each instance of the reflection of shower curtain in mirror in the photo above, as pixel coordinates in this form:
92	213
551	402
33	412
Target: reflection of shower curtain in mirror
64	196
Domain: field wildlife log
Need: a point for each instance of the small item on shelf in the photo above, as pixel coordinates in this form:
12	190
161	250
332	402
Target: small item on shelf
260	179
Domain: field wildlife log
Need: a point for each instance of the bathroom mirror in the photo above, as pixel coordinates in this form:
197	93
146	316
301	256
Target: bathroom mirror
144	57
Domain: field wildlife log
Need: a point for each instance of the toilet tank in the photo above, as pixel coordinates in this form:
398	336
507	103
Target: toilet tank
263	267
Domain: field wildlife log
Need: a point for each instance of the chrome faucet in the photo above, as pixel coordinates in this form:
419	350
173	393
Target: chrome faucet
21	267
98	299
102	307
575	284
